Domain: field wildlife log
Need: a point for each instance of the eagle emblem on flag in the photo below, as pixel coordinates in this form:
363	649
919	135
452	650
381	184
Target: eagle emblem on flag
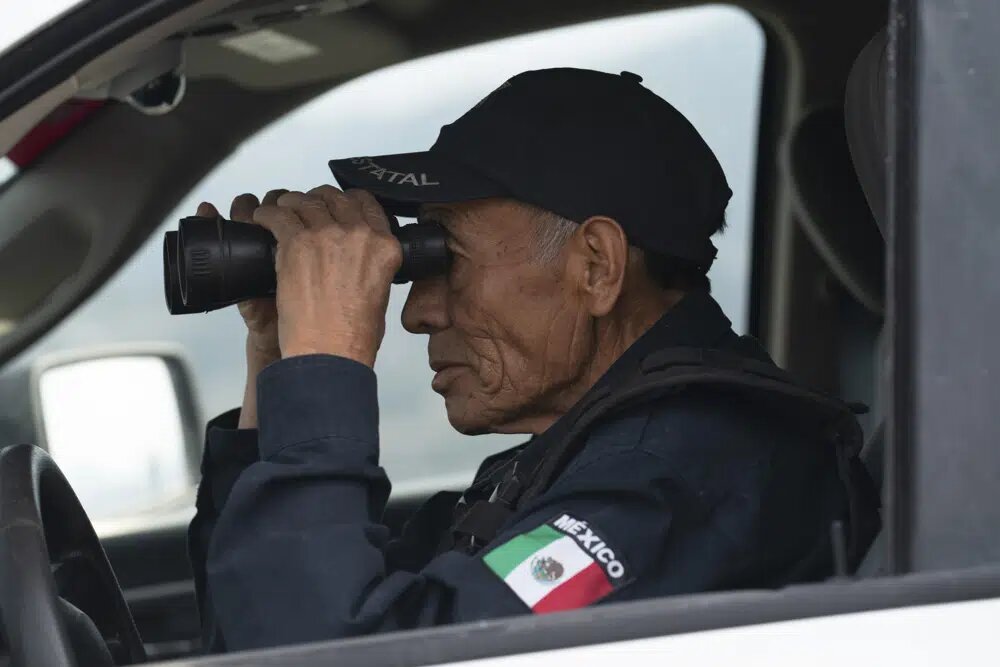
547	570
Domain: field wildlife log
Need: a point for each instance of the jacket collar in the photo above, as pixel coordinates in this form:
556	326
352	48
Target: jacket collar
696	320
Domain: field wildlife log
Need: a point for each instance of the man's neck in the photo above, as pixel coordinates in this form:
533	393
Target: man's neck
613	334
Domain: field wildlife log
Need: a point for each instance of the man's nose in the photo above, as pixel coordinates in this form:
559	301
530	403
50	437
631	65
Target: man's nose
426	308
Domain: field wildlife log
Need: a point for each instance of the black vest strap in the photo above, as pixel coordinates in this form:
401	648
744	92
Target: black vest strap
661	374
481	522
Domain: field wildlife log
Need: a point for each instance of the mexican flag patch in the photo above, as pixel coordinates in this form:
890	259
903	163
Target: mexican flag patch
563	564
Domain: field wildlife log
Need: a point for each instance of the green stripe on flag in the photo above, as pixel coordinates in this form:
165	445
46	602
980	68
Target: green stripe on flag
509	555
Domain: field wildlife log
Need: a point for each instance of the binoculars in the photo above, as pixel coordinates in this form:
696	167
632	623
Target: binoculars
211	263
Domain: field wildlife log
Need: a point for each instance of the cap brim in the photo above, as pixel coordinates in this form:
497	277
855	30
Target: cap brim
404	181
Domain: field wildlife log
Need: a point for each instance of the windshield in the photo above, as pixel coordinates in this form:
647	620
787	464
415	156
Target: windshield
399	109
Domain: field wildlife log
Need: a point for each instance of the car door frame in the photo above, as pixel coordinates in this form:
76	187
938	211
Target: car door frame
943	466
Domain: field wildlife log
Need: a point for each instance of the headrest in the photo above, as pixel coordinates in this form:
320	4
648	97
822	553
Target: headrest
831	208
865	121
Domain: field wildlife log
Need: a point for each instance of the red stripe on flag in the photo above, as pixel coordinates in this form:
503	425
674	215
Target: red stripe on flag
589	585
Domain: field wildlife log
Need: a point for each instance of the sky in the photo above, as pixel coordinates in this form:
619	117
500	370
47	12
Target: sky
706	61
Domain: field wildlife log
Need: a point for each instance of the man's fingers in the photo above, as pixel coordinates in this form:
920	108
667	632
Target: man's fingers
324	191
284	212
206	210
354	206
271	198
371	210
344	208
312	210
243	207
281	221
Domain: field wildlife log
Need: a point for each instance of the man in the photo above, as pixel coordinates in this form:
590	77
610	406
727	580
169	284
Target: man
579	208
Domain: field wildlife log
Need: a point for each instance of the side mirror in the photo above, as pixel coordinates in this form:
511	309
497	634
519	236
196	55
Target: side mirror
122	424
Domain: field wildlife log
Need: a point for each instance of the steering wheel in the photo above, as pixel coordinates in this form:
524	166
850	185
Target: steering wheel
60	603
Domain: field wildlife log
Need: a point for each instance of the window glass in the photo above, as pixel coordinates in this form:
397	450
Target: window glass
400	109
7	170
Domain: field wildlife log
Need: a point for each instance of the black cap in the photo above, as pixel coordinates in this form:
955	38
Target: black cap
578	143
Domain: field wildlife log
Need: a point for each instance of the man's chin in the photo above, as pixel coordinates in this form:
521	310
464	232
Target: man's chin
466	426
469	421
471	430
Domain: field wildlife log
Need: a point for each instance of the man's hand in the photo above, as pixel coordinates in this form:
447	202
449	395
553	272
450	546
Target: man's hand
335	261
259	315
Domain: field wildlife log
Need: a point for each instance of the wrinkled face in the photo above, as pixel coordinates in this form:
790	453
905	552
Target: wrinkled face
507	332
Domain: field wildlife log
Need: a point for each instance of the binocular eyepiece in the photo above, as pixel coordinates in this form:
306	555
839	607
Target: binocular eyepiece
211	263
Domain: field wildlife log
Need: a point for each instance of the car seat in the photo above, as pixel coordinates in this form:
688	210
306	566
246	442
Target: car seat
837	160
865	124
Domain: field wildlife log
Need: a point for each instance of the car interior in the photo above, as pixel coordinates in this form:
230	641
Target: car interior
816	292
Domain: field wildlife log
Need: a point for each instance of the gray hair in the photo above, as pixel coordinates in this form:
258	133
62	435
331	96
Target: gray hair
553	232
551	235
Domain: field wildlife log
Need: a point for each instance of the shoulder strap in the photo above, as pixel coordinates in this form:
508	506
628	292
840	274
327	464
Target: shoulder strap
674	370
666	372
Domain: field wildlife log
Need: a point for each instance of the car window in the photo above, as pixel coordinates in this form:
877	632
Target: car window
7	170
399	109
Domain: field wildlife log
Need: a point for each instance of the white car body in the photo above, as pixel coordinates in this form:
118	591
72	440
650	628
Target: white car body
959	633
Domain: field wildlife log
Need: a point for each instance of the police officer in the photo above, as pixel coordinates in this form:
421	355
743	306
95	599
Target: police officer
579	207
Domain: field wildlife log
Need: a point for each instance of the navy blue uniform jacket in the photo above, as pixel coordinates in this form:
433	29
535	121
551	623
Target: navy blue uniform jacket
700	491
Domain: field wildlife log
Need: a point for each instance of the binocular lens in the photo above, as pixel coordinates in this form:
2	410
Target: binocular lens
210	263
220	262
171	277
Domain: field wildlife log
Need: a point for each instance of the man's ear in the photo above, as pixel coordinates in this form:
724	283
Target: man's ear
598	263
